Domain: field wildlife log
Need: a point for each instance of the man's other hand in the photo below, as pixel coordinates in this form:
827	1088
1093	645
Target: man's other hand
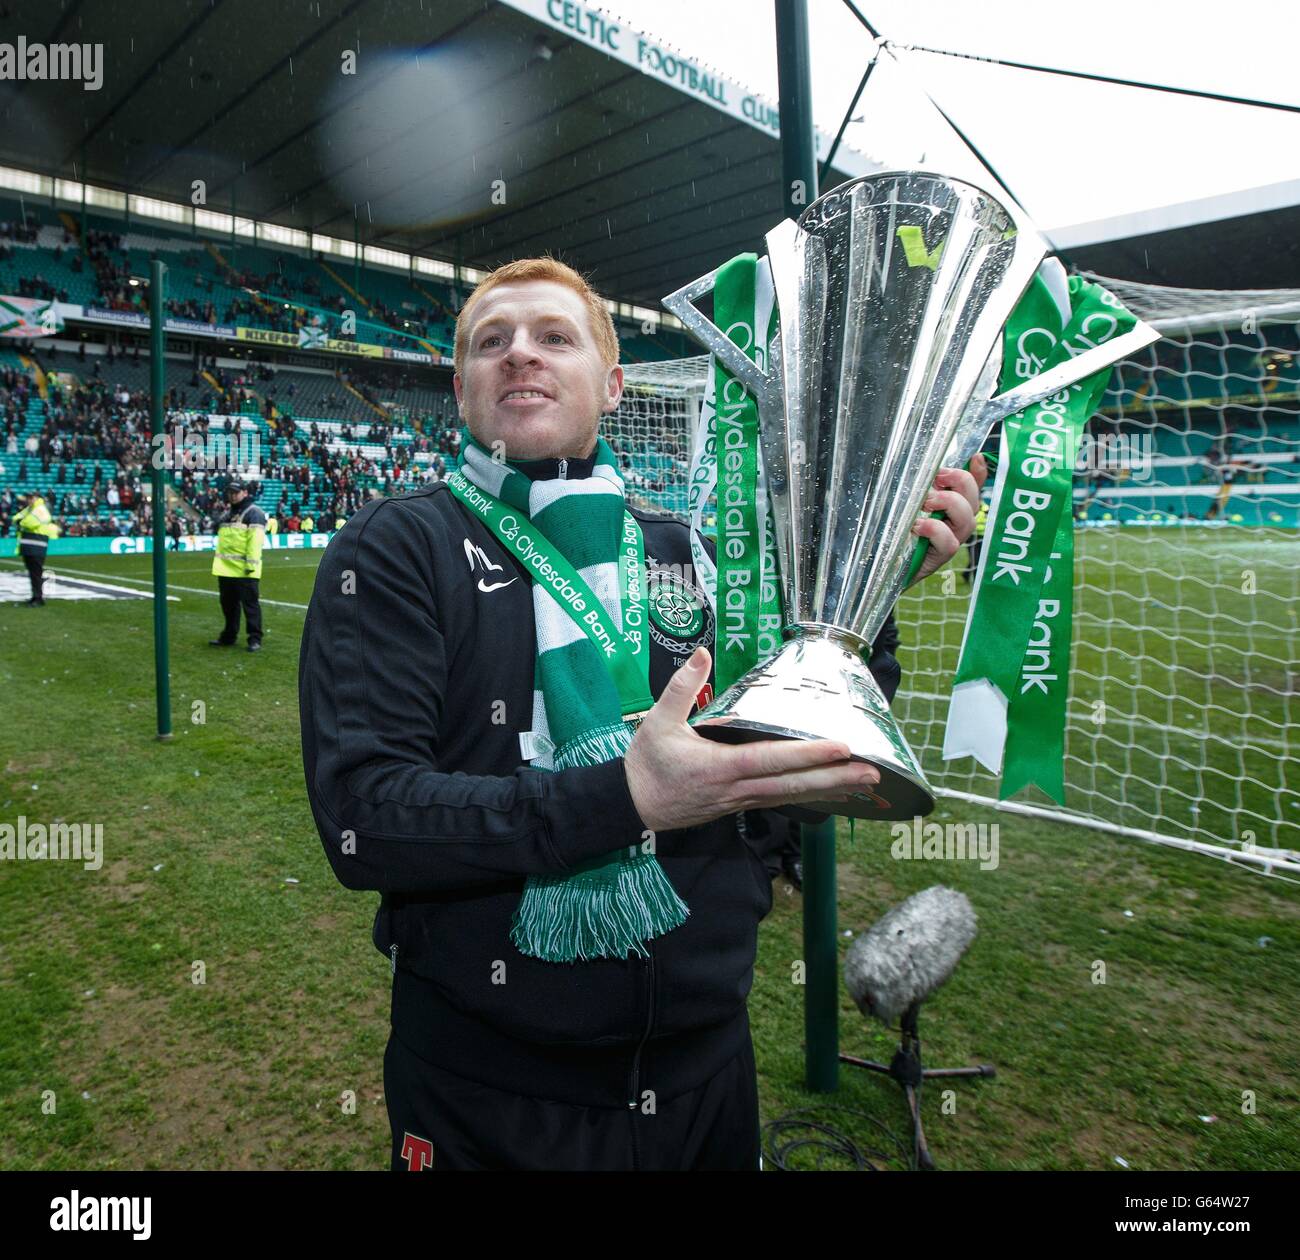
678	778
956	493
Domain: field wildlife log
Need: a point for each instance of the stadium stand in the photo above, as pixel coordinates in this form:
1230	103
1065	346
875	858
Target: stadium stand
331	435
93	260
1218	418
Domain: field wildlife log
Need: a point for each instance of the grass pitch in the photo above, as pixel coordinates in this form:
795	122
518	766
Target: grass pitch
1184	1058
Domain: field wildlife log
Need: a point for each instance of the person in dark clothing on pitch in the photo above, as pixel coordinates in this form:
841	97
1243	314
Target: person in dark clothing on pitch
35	527
569	896
237	566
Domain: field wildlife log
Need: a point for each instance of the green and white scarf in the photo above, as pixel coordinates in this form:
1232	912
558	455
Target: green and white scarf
586	557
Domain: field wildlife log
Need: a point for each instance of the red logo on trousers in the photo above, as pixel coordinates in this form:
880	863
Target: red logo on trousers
417	1151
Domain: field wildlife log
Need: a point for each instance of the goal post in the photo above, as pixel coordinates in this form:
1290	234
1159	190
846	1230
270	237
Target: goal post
1185	680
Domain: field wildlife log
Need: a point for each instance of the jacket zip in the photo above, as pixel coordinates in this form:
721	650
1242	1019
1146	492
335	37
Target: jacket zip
636	1065
633	1101
564	469
392	949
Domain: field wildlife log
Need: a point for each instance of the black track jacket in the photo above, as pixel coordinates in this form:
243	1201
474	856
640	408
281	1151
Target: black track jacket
415	683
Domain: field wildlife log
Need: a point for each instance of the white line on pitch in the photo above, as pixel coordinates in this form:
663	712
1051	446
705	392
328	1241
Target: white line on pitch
171	586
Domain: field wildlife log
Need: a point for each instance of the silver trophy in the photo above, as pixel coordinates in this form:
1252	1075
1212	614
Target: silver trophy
892	292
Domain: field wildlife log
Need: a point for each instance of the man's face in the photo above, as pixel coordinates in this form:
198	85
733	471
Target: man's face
529	338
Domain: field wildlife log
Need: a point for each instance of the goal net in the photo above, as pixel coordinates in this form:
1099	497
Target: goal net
1185	676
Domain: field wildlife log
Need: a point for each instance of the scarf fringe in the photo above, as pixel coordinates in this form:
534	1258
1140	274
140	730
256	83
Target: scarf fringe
591	915
611	905
594	747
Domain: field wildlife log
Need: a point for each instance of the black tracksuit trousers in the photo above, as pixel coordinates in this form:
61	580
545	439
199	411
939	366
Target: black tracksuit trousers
35	573
237	593
441	1121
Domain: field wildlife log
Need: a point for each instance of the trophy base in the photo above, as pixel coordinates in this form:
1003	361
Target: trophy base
818	687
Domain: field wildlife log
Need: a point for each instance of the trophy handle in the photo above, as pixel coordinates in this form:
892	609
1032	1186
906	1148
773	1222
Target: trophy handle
765	384
704	330
980	417
1063	375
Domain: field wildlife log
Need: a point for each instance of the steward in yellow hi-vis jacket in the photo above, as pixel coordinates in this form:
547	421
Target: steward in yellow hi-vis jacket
35	527
238	566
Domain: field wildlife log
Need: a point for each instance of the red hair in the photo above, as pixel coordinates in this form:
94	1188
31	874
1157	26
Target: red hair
552	269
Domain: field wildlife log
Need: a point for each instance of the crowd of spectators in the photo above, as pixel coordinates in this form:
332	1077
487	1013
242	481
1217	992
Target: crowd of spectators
192	308
325	474
96	421
111	263
72	511
279	283
260	307
38	287
331	473
250	311
13	230
416	321
28	286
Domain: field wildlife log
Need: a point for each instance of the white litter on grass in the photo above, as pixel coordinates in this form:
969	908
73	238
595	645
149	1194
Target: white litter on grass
89	993
1264	942
85	1094
159	866
1208	1119
1121	1161
290	881
1128	914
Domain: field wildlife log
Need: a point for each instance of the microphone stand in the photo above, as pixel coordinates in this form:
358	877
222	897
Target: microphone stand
906	1069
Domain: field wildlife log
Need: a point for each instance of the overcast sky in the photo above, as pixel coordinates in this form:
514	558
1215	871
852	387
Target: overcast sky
1070	151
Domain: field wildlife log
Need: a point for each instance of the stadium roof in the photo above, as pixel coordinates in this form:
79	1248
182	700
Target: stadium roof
473	131
1239	240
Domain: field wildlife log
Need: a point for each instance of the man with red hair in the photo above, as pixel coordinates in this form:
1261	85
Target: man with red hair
495	738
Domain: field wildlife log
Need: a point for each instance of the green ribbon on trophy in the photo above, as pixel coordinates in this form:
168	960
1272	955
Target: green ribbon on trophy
1012	682
743	583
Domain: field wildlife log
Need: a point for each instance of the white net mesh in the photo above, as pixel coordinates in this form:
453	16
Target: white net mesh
652	430
1184	676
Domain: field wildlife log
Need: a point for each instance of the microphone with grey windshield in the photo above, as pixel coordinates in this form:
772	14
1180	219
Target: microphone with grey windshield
893	967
